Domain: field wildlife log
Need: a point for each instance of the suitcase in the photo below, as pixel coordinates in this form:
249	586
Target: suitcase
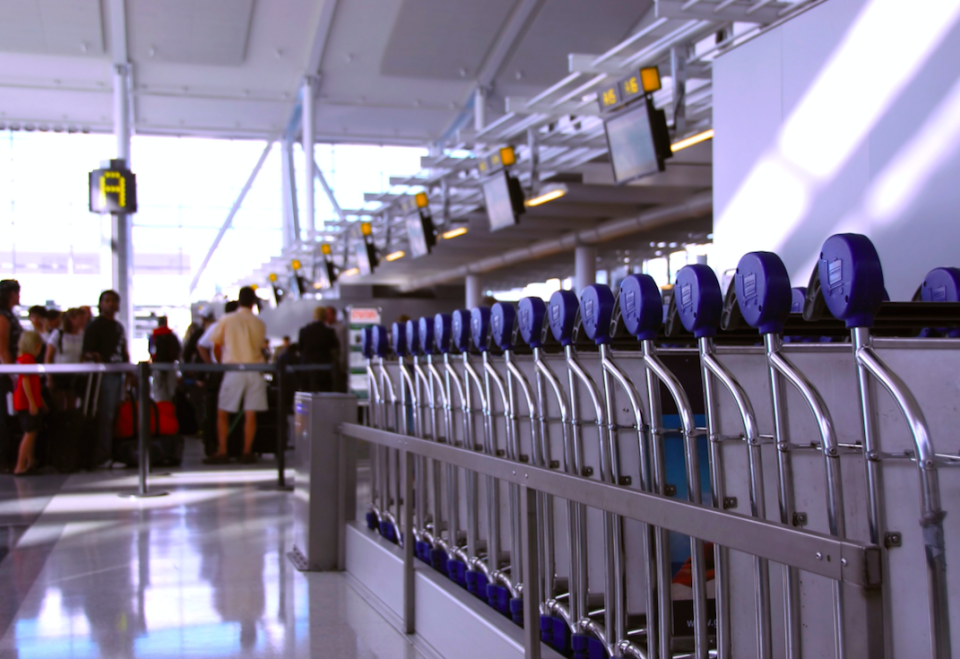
186	416
71	435
166	442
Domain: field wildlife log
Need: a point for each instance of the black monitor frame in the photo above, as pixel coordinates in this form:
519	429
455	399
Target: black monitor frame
659	130
515	192
421	222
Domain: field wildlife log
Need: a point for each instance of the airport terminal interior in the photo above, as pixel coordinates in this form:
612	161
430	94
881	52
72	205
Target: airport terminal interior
474	329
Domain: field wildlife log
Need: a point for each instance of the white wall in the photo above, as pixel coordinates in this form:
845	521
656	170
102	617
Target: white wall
846	118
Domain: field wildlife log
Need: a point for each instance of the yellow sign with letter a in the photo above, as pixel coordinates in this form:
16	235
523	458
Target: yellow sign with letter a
113	190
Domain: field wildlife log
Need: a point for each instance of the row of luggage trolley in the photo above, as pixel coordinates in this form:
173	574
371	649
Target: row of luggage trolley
829	410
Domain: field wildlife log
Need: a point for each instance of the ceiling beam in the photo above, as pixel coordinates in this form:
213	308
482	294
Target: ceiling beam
320	37
511	34
761	12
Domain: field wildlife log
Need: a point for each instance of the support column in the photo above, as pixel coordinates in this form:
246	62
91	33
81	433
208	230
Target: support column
480	109
533	143
291	220
585	272
306	96
678	66
474	291
122	242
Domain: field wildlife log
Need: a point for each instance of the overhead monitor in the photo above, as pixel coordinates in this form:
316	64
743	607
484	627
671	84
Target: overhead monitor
638	141
421	233
503	198
366	257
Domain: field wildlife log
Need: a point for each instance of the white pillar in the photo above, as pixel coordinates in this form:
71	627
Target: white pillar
480	109
474	291
122	231
308	142
585	272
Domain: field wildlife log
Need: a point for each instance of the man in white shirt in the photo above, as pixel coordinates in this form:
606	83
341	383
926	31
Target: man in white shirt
237	339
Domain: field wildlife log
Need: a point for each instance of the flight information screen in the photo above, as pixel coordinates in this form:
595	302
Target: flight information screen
364	262
496	196
633	151
416	232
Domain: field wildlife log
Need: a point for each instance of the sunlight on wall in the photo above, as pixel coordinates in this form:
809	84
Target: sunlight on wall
880	54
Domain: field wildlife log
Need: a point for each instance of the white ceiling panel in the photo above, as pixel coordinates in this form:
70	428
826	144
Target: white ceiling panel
373	124
68	107
51	27
569	26
219	116
208	32
443	39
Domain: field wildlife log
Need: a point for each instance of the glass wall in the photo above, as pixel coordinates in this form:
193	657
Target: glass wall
185	189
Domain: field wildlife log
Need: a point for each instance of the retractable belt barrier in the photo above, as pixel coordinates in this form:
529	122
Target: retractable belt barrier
142	372
759	472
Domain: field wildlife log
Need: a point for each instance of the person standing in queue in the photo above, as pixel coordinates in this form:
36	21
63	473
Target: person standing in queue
238	339
10	331
318	345
164	349
66	347
342	354
28	403
105	342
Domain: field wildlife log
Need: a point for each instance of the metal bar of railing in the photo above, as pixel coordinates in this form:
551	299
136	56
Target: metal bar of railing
850	561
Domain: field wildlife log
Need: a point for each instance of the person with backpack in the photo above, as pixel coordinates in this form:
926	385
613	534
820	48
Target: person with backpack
164	349
65	347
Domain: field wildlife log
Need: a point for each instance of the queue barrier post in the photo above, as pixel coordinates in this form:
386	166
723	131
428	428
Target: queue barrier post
281	431
143	419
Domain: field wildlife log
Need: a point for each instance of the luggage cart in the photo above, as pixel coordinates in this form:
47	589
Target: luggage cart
504	569
851	280
560	607
641	312
699	307
595	632
435	335
479	573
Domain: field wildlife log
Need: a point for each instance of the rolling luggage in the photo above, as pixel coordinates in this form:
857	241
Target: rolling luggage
166	442
186	415
71	435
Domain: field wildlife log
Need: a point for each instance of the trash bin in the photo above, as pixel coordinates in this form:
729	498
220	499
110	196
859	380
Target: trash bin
317	477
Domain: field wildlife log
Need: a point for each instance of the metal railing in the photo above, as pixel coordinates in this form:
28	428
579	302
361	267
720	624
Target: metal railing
854	563
142	372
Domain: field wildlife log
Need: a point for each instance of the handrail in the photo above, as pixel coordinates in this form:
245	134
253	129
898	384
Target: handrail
850	561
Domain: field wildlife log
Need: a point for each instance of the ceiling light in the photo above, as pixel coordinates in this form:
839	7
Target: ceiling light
453	233
351	272
693	139
393	256
548	193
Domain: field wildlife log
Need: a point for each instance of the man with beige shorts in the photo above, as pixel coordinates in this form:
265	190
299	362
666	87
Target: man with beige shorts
237	339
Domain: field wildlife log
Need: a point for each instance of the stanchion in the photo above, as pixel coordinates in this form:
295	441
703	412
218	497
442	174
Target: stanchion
143	417
281	435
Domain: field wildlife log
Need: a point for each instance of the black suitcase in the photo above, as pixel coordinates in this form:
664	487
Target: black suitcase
71	435
186	416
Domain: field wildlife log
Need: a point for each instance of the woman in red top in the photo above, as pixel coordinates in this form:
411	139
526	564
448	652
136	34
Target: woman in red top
27	402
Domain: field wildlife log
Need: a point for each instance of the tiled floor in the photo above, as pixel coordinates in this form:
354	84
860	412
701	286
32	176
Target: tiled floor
199	573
